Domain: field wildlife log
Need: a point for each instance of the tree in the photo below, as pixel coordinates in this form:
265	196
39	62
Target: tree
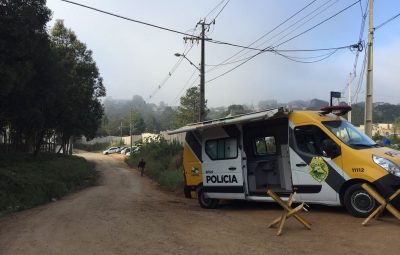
80	110
27	73
396	129
236	109
188	111
167	118
135	118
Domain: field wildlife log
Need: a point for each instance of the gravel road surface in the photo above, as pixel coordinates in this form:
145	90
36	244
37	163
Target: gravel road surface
127	214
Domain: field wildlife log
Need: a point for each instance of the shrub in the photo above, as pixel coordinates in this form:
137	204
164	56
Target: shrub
26	182
163	162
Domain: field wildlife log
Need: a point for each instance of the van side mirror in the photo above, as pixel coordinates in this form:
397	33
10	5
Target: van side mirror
330	148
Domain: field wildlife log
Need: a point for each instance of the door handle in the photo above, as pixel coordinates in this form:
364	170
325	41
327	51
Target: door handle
301	164
232	168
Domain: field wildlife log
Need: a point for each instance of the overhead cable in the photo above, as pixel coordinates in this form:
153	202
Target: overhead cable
387	21
223	7
264	35
293	37
126	18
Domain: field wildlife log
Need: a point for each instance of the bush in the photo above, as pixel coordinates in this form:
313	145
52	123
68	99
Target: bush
163	162
26	182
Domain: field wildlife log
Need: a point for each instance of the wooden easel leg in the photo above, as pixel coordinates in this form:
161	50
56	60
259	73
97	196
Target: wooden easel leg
393	211
375	213
277	220
282	222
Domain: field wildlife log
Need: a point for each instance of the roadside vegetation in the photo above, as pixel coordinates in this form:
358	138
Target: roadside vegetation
163	162
26	181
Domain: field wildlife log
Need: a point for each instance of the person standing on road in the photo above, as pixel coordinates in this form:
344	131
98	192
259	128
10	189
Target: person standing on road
141	166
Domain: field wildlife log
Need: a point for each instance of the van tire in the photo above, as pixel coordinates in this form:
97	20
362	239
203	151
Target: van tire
358	202
204	201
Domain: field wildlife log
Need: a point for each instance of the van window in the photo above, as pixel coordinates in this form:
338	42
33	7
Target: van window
225	148
309	139
350	135
264	145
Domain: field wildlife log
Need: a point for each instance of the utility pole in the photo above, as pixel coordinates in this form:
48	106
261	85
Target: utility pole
369	89
204	26
130	129
349	102
120	130
202	78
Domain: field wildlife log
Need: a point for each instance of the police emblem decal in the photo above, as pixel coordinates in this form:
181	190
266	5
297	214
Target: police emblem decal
195	171
318	169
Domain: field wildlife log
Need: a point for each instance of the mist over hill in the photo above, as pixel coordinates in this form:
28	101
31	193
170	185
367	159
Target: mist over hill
149	117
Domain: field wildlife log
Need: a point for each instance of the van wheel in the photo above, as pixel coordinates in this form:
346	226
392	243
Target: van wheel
358	202
206	202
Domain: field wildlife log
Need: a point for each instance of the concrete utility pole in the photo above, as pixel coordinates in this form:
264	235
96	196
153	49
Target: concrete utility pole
349	102
202	102
130	128
369	89
202	78
120	130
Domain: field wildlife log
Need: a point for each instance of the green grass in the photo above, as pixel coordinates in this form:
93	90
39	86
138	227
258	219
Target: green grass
26	182
163	163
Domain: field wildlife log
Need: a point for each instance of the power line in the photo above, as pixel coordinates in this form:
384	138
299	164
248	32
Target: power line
303	23
363	19
185	86
185	52
126	18
281	32
320	23
306	62
273	47
357	46
387	21
361	78
173	69
214	9
264	35
223	7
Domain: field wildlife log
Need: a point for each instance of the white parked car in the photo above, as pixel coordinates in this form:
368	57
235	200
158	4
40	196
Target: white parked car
126	150
111	150
121	149
134	150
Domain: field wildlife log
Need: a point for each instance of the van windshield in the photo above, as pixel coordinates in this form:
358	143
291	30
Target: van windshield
349	134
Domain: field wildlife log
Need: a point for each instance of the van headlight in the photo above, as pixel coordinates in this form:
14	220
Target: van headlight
387	165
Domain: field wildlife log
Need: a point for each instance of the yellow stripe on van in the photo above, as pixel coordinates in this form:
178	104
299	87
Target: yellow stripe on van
192	167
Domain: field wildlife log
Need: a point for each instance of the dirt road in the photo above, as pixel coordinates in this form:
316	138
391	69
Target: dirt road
127	214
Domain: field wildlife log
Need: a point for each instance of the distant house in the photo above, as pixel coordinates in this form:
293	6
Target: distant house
380	128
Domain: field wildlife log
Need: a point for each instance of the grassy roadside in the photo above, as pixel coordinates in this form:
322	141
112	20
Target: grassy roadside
26	182
163	163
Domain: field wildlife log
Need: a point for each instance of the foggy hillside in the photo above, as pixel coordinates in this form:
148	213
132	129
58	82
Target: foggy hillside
149	117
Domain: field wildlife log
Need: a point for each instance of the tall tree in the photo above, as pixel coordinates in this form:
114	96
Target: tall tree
188	111
80	110
27	73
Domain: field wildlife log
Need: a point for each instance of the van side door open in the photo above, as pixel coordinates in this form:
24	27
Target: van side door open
222	163
266	146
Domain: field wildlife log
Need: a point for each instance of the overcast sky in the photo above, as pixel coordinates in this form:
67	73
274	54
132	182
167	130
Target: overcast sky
135	59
